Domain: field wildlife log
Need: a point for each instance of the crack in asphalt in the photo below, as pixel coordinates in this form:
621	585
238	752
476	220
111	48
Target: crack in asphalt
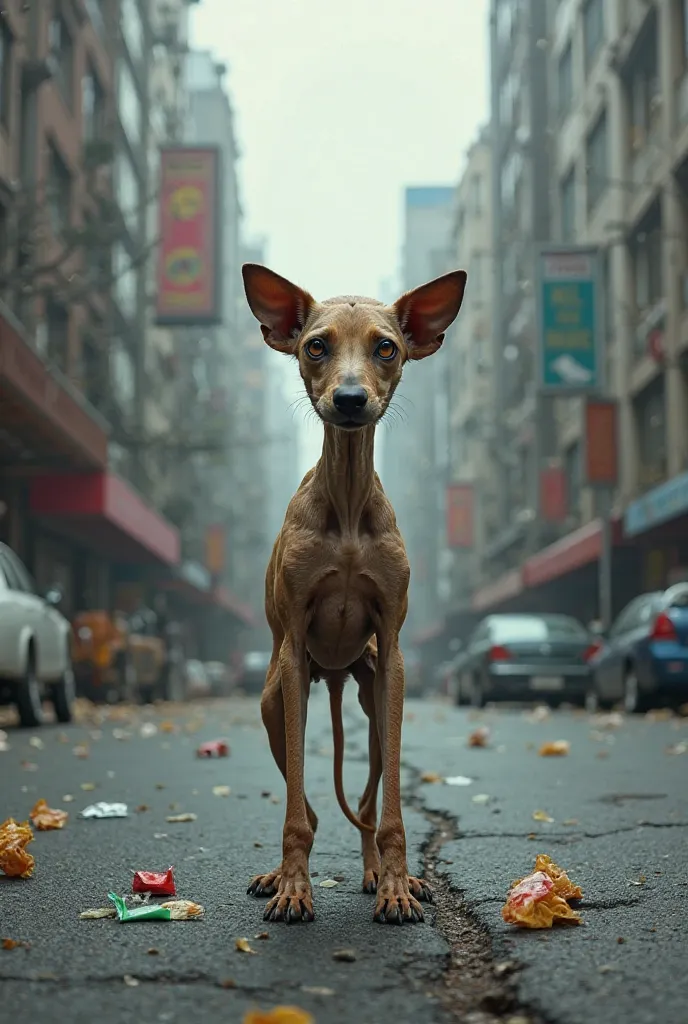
165	978
572	836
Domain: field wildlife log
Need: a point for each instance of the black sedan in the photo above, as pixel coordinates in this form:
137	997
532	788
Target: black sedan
521	657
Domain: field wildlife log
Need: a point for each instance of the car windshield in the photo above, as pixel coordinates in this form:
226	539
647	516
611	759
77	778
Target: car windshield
537	628
256	659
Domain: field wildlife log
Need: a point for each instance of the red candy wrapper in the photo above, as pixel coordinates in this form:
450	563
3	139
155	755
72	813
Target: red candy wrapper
214	748
160	883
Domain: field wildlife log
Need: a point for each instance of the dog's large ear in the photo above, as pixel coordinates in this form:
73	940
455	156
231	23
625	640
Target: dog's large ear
280	306
425	313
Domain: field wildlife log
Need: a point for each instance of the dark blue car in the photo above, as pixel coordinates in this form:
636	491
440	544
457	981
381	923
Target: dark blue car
644	659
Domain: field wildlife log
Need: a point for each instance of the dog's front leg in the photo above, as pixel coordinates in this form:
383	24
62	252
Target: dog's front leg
293	901
395	900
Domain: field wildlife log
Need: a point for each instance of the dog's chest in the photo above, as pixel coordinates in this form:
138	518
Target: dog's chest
340	608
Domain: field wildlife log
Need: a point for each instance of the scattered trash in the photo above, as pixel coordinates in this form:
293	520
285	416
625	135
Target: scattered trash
244	946
160	883
481	798
458	780
88	787
36	742
46	818
4	745
15	862
172	910
570	821
168	727
222	790
214	748
141	809
14	944
614	720
81	750
263	936
96	913
317	990
148	729
541	898
121	734
177	818
678	748
480	737
68	799
538	714
131	981
29	766
279	1015
659	715
431	777
328	883
105	810
153	951
555	748
641	880
542	816
347	956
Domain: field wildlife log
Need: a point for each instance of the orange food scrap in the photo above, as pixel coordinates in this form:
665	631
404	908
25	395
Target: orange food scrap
14	860
480	737
541	898
14	944
280	1015
555	748
46	818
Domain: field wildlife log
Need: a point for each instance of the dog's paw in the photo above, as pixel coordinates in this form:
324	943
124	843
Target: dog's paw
265	885
418	887
395	902
293	902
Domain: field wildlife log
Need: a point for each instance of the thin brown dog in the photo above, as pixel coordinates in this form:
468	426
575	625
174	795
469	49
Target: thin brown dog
336	587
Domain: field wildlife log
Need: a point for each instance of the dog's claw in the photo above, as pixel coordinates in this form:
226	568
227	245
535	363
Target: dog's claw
420	889
397	901
291	904
264	885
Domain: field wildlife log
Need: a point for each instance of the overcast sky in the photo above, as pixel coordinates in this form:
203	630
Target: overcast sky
339	107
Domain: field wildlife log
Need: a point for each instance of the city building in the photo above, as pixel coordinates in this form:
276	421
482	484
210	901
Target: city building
473	461
415	455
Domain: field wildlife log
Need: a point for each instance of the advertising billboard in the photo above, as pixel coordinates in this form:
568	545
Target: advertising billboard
460	516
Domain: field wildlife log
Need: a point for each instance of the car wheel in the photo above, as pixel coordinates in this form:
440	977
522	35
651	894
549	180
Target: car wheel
633	700
63	694
28	696
477	692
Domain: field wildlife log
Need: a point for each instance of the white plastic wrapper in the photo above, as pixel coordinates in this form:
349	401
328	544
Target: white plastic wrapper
105	810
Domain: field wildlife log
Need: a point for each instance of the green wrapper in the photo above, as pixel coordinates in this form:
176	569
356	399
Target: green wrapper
151	912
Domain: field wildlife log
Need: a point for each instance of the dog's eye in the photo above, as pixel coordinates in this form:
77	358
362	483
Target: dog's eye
316	348
386	350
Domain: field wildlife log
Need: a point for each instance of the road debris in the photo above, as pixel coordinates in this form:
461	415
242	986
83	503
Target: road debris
480	737
542	898
458	780
171	910
81	750
105	810
36	742
88	787
678	748
244	946
542	816
481	798
14	944
213	748
328	883
159	883
346	956
555	748
4	745
147	730
46	818
97	913
175	819
29	766
279	1015
431	777
222	790
15	862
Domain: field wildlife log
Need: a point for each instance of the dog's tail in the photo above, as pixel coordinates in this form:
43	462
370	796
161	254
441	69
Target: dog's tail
336	689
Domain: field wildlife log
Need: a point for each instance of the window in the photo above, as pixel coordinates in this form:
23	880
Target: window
62	49
127	190
132	28
128	103
92	106
58	192
6	42
568	207
649	280
124	285
645	94
538	629
57	324
650	421
596	162
565	81
593	30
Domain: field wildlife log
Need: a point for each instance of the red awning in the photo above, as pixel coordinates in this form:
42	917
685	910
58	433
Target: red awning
220	597
105	513
572	552
44	421
503	589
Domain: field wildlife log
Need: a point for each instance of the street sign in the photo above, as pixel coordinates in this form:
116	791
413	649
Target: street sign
569	320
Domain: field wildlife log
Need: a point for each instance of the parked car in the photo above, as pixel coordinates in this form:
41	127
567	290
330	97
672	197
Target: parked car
219	678
644	658
253	670
35	655
517	657
197	683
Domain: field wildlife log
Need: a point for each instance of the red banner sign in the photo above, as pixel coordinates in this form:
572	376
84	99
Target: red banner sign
189	255
553	497
600	443
460	516
215	549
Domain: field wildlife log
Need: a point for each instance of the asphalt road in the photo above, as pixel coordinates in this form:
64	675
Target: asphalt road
627	849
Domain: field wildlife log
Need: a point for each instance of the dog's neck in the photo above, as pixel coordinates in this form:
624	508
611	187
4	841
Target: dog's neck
347	472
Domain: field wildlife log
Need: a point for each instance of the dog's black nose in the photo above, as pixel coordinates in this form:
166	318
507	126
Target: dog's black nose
349	399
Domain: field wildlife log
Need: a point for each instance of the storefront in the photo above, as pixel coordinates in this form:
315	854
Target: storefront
657	526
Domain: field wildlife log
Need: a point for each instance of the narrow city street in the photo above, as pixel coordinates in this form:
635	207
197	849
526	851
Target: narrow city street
619	806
